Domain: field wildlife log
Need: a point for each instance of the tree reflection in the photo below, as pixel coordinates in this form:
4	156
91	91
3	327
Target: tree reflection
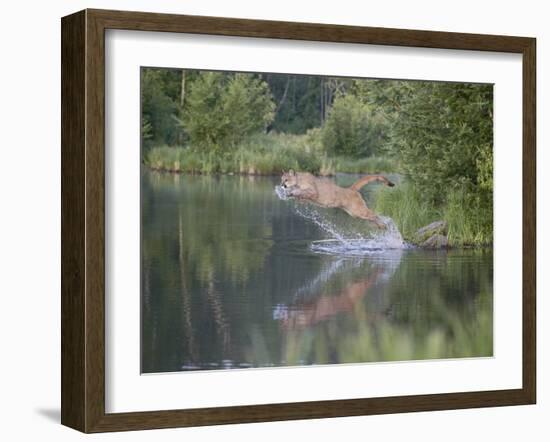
229	281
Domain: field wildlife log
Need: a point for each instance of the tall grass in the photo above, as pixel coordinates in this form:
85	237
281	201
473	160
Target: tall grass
403	204
365	165
469	222
263	154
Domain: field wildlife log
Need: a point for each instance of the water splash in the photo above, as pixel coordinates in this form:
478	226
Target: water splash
281	193
388	238
322	222
358	240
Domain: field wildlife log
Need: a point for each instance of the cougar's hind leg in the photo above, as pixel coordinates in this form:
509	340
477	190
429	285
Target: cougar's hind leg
360	210
372	217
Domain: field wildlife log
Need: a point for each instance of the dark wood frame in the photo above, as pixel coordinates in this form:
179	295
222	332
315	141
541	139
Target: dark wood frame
83	219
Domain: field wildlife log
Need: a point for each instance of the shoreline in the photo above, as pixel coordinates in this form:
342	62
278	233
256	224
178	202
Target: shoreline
255	174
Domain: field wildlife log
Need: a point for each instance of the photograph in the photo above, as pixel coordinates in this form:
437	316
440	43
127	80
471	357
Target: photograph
298	220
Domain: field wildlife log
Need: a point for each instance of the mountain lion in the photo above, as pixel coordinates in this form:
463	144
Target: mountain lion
325	193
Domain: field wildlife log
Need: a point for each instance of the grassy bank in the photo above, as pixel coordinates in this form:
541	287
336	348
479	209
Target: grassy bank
266	154
468	224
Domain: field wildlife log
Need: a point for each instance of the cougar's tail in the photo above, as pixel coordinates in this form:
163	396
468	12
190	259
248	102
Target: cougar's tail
367	179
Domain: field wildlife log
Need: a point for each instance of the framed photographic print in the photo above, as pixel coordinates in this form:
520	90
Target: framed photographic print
270	220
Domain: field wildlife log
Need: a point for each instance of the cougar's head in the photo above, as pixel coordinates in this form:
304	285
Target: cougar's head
289	179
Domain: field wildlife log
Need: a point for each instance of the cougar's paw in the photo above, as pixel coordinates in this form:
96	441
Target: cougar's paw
292	191
379	224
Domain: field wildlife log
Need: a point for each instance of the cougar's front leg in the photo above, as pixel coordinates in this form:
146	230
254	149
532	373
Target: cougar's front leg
306	194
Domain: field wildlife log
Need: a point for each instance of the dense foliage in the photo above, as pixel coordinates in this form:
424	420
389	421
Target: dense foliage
351	129
222	110
159	91
442	136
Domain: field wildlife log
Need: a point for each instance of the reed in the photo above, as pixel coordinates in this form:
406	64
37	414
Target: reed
263	154
469	221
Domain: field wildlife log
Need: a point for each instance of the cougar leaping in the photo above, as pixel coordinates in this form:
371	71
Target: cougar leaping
323	192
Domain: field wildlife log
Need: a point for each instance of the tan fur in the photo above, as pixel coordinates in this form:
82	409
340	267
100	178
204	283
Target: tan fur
325	193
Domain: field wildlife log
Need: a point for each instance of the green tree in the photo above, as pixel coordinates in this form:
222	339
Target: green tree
248	103
443	136
351	128
202	116
221	110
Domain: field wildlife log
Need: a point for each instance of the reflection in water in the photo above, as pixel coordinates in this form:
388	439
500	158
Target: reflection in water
233	277
319	306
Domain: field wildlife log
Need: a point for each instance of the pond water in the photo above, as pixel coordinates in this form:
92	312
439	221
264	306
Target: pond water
234	277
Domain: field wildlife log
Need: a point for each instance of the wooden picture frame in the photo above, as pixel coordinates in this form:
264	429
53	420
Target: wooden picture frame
83	220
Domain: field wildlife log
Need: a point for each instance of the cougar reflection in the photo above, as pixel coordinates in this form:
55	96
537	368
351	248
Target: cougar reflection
364	279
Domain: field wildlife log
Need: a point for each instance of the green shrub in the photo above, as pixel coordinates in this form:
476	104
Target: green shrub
442	134
351	129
